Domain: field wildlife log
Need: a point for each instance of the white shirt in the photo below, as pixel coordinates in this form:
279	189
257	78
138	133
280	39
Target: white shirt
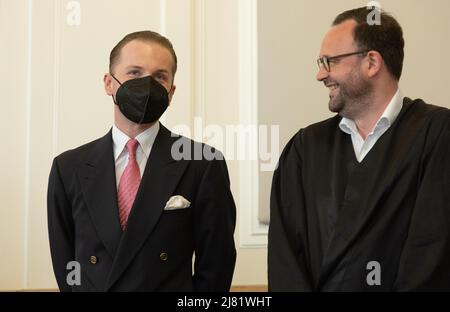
362	147
120	139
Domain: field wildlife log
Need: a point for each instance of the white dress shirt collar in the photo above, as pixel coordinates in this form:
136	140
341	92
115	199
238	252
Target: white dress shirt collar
362	147
386	120
145	139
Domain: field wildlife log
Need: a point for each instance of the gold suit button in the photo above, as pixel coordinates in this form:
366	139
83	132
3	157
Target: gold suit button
93	259
163	256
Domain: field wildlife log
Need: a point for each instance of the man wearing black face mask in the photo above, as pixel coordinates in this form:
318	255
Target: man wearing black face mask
129	211
142	100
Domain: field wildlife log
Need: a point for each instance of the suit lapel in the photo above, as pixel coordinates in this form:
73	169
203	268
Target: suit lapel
159	180
97	176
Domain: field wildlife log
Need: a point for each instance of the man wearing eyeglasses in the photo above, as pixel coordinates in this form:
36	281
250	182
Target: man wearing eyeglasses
360	201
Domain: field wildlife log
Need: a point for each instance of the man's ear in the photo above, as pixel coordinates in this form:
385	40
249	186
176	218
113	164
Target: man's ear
375	62
108	84
171	92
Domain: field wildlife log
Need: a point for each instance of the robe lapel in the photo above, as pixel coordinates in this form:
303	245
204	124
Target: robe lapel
159	180
371	177
340	218
97	176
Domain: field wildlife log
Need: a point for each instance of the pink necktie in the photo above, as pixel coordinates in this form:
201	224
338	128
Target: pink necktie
129	183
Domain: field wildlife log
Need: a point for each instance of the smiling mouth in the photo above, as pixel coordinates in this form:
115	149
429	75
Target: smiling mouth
333	90
332	87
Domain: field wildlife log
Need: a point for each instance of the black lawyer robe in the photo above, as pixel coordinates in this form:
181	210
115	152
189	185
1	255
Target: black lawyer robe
331	216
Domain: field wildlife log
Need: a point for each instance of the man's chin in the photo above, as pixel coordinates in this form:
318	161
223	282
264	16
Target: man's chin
334	107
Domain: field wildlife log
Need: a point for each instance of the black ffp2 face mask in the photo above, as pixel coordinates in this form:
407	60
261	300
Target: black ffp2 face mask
141	100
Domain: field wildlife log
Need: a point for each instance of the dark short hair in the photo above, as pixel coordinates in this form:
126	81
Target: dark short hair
146	36
386	38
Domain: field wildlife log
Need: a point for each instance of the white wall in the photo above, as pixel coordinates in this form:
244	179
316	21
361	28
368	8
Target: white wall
13	134
53	99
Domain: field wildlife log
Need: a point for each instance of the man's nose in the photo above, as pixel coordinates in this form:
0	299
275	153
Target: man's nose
321	74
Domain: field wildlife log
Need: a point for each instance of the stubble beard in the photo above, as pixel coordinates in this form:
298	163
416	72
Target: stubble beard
353	97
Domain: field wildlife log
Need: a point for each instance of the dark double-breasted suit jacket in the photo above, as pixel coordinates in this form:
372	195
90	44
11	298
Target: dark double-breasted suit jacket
155	252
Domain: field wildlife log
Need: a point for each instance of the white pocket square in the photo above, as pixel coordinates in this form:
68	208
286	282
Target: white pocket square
177	202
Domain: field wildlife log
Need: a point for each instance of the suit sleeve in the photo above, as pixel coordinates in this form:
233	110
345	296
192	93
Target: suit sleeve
287	253
214	221
425	260
60	227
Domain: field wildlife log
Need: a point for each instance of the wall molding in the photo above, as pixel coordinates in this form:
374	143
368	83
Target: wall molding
163	17
252	232
58	16
199	59
28	142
